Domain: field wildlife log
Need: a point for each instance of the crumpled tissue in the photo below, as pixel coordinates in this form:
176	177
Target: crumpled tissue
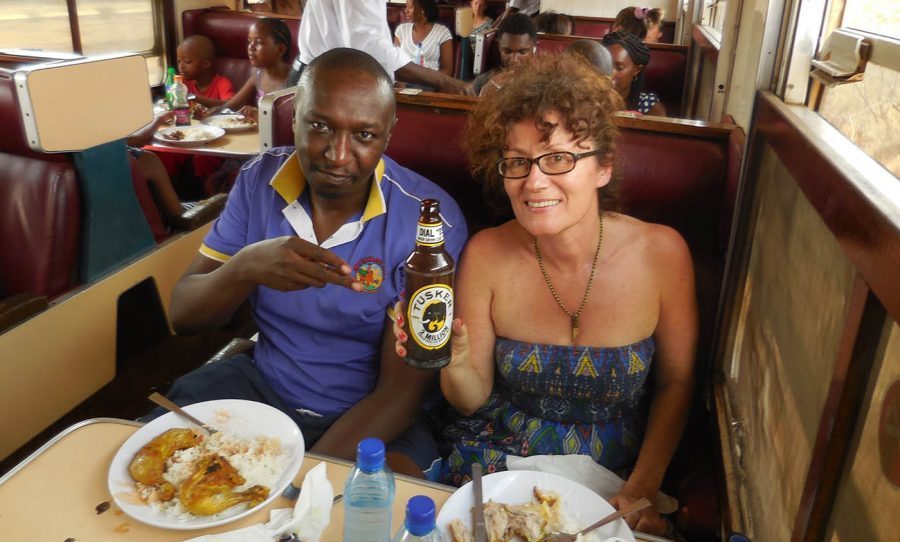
585	471
307	520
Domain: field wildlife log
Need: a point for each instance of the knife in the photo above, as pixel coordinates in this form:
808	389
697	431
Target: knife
478	509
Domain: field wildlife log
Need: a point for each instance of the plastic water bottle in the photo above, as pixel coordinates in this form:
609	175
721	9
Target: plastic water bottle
420	57
180	103
419	524
368	495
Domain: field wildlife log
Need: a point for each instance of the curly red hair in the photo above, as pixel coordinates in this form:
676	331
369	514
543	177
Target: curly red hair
559	83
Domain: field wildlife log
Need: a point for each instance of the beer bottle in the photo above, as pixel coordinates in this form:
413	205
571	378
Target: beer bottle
429	291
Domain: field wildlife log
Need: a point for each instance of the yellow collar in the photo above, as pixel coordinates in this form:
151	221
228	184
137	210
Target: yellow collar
290	182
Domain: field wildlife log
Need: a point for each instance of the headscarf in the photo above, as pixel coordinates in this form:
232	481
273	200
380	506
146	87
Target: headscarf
640	55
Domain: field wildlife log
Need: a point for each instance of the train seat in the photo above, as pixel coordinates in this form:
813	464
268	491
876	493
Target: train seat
228	31
597	27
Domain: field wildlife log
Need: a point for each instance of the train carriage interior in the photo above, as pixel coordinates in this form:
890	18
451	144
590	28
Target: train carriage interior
777	162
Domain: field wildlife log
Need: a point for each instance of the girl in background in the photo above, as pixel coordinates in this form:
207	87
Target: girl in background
645	23
630	57
268	47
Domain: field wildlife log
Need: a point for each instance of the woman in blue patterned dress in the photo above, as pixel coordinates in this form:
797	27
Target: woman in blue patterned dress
567	311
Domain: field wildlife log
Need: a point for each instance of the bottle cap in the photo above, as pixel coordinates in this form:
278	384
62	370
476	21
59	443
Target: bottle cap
420	515
738	537
179	78
370	455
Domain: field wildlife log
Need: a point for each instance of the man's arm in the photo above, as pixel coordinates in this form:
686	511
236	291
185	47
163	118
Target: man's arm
209	293
413	73
391	409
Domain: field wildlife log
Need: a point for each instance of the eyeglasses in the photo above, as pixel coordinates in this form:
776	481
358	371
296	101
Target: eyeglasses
553	163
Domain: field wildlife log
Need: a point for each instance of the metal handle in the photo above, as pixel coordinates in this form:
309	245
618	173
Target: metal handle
167	404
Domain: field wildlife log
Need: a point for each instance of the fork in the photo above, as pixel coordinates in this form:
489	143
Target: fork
167	404
291	492
630	509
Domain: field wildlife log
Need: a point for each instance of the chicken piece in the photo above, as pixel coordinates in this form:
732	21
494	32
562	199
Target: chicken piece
149	464
496	519
526	523
459	532
210	489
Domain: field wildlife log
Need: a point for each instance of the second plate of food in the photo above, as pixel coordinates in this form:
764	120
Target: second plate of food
255	453
578	506
188	136
231	123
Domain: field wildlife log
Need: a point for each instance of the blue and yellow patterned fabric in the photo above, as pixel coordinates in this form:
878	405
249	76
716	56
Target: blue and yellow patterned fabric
556	399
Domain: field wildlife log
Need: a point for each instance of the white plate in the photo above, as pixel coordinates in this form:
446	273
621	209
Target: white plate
243	419
196	135
516	487
229	123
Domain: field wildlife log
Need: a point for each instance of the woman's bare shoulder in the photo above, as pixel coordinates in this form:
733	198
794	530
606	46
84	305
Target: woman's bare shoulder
659	243
491	246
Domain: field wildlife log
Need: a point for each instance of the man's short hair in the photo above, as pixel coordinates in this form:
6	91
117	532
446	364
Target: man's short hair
349	59
518	24
594	53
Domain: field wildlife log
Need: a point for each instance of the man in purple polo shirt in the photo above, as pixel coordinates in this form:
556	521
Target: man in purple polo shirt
315	239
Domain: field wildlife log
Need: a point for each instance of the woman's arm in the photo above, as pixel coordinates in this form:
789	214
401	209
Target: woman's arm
446	58
676	347
469	378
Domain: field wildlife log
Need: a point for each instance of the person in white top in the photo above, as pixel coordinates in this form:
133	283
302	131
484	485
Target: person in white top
528	7
428	43
362	24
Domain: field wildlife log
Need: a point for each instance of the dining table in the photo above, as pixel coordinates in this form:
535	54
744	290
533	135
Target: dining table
60	492
234	144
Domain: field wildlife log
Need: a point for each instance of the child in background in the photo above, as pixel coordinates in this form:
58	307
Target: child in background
268	47
195	63
645	23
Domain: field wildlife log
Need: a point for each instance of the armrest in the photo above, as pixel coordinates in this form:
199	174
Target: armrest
268	112
202	213
235	347
20	307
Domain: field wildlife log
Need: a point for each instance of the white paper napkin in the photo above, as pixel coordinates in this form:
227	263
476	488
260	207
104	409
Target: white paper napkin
307	520
585	471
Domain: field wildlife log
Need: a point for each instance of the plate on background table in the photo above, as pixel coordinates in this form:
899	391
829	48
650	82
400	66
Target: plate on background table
188	136
241	419
582	505
231	123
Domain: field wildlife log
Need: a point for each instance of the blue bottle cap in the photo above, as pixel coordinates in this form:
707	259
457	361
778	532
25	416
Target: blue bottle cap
370	455
420	515
738	537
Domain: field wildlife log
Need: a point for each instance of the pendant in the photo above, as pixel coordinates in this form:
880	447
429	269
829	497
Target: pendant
574	327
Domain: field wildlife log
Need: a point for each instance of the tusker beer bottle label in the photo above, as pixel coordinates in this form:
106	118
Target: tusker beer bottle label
430	315
430	272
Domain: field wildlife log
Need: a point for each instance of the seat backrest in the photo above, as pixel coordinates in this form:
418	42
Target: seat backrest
665	74
228	31
40	225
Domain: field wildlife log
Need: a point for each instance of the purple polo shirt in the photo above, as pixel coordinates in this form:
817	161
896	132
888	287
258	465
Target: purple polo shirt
320	348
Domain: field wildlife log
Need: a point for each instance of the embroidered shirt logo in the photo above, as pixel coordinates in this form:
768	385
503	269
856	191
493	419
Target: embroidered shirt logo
370	272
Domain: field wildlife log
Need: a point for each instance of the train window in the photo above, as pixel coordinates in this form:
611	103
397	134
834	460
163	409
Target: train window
713	16
31	24
875	16
102	30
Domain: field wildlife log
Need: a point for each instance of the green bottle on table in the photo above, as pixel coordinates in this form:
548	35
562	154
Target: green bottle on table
170	80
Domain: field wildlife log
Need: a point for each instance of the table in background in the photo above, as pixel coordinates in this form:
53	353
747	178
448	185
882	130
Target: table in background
54	493
244	144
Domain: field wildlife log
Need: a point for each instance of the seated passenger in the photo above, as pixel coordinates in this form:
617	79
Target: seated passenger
551	22
315	239
481	23
645	23
630	56
429	44
516	39
577	324
269	48
195	63
594	53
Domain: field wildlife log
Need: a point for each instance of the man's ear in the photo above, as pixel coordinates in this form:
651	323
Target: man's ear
391	131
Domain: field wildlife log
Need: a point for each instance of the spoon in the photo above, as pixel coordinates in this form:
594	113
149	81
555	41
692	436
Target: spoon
164	402
630	509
